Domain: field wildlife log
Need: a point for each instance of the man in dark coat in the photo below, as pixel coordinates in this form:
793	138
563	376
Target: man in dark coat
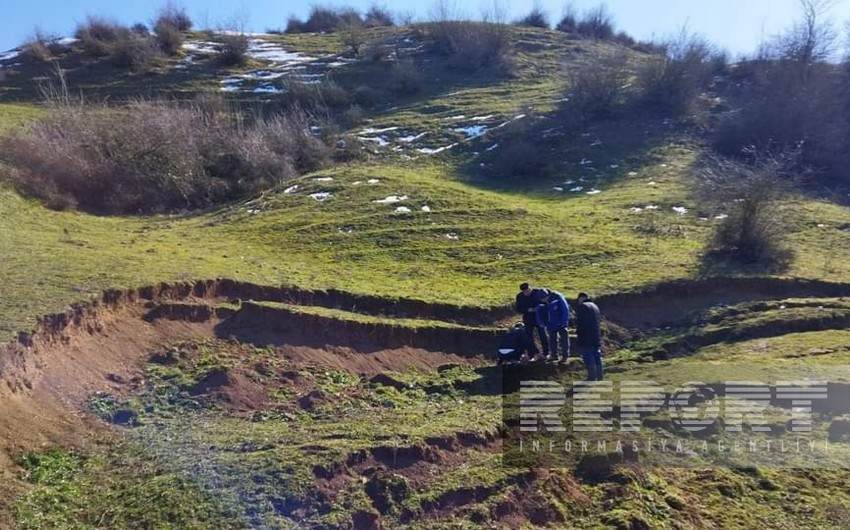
512	345
589	336
557	320
530	304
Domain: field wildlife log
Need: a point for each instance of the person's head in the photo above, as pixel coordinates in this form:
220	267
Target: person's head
525	288
583	297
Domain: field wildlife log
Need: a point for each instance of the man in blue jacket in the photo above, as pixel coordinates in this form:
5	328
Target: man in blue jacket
589	336
557	320
530	304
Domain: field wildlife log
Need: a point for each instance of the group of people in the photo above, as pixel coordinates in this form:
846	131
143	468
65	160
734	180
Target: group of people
548	313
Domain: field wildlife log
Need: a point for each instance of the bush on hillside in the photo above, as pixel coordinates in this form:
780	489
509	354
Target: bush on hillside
156	156
406	78
135	53
174	16
378	16
323	19
98	35
794	97
536	18
598	88
233	50
472	46
596	23
751	196
168	37
40	47
672	81
569	20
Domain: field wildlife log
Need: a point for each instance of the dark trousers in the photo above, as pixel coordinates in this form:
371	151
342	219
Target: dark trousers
559	341
592	357
529	338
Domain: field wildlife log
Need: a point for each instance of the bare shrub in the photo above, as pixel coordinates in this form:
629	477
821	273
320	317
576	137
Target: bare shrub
40	47
136	53
174	16
598	88
156	156
536	18
406	78
98	35
378	16
234	49
169	38
751	195
352	117
596	23
569	19
671	82
794	97
139	29
471	45
295	25
353	36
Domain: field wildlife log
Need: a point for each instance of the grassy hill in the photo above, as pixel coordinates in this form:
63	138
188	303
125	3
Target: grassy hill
299	428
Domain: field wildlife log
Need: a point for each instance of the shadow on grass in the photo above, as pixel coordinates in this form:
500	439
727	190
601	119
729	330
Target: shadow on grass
541	151
716	262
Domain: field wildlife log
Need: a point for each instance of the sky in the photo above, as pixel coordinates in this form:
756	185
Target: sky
735	25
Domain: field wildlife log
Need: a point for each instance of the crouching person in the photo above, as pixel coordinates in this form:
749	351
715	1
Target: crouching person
557	320
512	345
589	336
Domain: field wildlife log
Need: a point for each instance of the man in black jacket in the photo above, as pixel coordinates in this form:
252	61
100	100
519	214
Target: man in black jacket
531	305
589	336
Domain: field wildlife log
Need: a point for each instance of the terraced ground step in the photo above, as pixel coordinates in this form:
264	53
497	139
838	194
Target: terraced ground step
274	322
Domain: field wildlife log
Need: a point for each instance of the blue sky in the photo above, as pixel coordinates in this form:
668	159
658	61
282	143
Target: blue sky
737	25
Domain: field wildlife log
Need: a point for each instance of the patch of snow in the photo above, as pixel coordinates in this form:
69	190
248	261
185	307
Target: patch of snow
452	236
551	133
323	179
681	210
9	55
253	211
663	165
426	208
291	189
321	196
614	166
453	118
264	75
652	183
651	207
636	209
585	162
391	199
482	118
381	140
66	41
371	130
434	151
473	131
632	173
594	191
821	225
519	116
703	219
577	189
557	188
597	143
402	209
412	138
357	183
492	147
275	53
267	89
200	46
569	181
373	181
230	88
721	216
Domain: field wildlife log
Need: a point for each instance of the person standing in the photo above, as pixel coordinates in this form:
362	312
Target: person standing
557	320
589	336
530	304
